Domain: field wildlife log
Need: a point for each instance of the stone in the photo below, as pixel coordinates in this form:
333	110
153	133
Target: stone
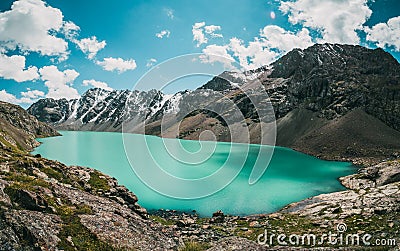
218	213
255	224
185	222
28	199
218	217
38	227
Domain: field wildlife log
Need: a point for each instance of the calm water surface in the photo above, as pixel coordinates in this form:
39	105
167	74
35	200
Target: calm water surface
291	176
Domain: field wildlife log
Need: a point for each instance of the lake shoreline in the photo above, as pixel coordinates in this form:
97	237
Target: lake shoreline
316	214
360	163
316	178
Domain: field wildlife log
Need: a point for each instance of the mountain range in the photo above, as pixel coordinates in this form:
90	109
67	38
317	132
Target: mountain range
330	100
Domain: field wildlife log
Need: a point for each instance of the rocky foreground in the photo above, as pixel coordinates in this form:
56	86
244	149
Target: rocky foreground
46	205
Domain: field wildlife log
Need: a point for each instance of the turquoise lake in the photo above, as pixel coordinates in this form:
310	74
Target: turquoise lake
291	176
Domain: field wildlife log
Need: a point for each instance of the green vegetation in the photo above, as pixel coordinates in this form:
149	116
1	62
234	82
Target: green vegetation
58	175
8	145
75	236
286	224
377	224
53	173
194	246
97	182
21	181
165	222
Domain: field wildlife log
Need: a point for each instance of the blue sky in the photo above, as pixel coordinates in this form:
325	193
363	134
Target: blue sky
61	48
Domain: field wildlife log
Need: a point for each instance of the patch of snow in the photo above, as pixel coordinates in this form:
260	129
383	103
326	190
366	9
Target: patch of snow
301	53
319	60
73	106
100	95
174	101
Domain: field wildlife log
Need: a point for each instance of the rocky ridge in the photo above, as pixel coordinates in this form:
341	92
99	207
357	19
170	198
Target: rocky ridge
19	129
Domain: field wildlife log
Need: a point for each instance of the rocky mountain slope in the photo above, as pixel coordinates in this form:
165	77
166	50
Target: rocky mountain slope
19	129
333	101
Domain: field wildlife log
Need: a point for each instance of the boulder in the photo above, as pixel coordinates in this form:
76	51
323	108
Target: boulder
27	199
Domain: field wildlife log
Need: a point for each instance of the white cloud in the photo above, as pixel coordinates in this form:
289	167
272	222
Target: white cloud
31	25
163	33
272	15
90	46
8	97
151	62
70	30
117	64
217	53
199	31
59	83
27	97
256	54
169	12
283	40
211	29
97	84
198	35
337	21
34	26
272	42
13	67
32	94
385	34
